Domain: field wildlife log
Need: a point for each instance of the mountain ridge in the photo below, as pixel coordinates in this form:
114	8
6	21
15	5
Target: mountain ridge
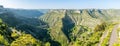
54	25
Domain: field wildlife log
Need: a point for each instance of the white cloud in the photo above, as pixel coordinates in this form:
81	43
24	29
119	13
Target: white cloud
8	4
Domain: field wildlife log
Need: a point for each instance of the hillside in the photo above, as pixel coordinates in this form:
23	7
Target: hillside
56	27
68	25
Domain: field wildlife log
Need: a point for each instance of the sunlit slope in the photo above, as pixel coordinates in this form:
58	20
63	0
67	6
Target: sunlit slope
61	22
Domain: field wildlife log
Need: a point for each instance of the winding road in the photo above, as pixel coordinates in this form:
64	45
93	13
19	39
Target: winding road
114	36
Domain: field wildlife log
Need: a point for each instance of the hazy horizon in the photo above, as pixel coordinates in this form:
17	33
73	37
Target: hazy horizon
61	4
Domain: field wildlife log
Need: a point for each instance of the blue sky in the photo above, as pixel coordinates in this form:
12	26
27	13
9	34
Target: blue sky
61	4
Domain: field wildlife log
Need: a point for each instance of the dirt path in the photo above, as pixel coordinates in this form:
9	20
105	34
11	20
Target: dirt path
114	36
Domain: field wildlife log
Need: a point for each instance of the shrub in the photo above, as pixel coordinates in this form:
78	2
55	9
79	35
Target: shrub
3	41
100	27
26	40
116	44
47	44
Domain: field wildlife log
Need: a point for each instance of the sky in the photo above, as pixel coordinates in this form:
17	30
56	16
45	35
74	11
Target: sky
61	4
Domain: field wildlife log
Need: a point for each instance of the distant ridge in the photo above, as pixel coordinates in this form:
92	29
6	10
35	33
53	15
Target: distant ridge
1	6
